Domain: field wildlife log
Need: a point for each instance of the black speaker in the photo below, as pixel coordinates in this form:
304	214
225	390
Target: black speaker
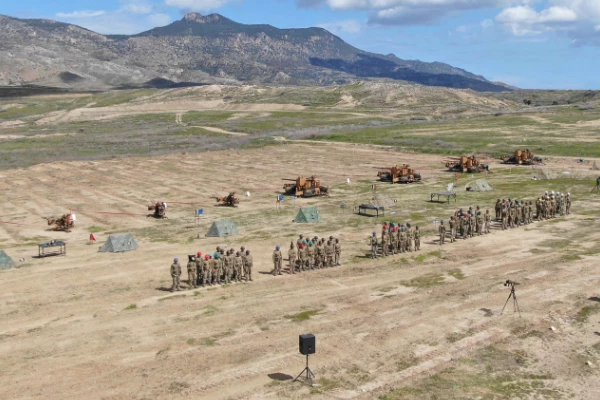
308	344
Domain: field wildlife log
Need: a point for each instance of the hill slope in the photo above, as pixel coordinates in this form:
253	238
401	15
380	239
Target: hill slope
203	49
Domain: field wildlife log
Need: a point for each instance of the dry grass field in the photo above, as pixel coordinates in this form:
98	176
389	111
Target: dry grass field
423	325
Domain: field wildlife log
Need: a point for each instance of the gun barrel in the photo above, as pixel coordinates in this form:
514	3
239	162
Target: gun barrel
288	179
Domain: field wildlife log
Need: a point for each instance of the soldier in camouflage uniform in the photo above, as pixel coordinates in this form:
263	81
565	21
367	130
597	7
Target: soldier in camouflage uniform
452	226
192	271
479	222
237	266
302	256
568	204
409	237
217	264
200	269
385	242
311	252
337	247
394	240
498	209
330	253
277	261
227	267
248	266
417	236
292	258
175	274
402	238
442	232
373	244
487	221
320	257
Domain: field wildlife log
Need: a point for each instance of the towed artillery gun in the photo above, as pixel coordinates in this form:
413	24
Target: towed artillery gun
304	187
230	200
521	157
399	174
465	164
64	223
159	208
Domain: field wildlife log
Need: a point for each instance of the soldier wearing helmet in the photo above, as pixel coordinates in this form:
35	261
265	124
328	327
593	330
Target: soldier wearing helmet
417	236
237	266
175	274
192	270
292	258
337	246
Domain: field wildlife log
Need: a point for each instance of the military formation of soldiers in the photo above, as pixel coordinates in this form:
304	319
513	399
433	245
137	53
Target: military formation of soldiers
395	239
465	224
508	212
309	254
221	267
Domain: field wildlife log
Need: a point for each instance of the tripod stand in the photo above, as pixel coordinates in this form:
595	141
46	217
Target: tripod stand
309	374
515	302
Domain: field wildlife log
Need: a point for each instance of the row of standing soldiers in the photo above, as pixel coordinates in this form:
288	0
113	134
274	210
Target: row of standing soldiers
465	224
309	254
396	239
223	266
513	213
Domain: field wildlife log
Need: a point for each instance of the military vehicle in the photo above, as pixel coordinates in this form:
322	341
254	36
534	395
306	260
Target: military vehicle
304	187
465	164
399	174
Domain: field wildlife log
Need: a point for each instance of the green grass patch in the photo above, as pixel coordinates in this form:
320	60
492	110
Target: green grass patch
587	311
131	307
456	336
422	257
95	229
325	385
457	273
302	316
210	310
424	281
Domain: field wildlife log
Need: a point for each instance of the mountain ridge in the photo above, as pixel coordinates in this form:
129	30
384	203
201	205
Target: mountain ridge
204	49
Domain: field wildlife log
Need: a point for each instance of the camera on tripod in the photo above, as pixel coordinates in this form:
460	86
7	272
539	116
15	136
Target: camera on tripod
510	283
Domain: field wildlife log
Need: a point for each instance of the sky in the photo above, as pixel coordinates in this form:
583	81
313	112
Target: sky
540	44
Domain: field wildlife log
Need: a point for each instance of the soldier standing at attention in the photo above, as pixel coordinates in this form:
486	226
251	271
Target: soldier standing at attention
417	238
320	262
277	261
206	271
452	224
338	251
442	230
488	221
402	239
498	209
200	269
248	266
299	241
409	237
175	274
568	204
394	240
373	243
192	270
227	266
237	266
292	257
329	252
311	255
385	242
479	223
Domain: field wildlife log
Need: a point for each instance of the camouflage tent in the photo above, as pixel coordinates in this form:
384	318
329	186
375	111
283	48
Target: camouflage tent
5	261
308	215
223	228
119	243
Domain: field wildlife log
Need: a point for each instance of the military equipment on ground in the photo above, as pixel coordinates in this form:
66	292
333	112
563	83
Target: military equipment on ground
304	187
230	200
522	157
465	164
159	208
399	174
64	223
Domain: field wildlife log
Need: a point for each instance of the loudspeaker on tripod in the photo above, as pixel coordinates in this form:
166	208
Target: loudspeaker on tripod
308	344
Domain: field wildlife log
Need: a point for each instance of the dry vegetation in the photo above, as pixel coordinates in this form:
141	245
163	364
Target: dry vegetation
418	325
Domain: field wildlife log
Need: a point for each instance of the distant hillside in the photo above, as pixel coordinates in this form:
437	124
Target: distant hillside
203	50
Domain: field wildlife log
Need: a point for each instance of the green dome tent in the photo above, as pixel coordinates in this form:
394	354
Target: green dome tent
308	215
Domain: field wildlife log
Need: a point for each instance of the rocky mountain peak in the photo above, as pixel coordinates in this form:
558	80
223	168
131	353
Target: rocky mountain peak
201	19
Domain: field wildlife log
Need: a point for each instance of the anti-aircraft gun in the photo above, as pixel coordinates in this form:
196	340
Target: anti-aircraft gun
465	164
230	200
304	187
64	223
522	157
159	208
399	174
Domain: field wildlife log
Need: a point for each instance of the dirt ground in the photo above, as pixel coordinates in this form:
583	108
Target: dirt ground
93	325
